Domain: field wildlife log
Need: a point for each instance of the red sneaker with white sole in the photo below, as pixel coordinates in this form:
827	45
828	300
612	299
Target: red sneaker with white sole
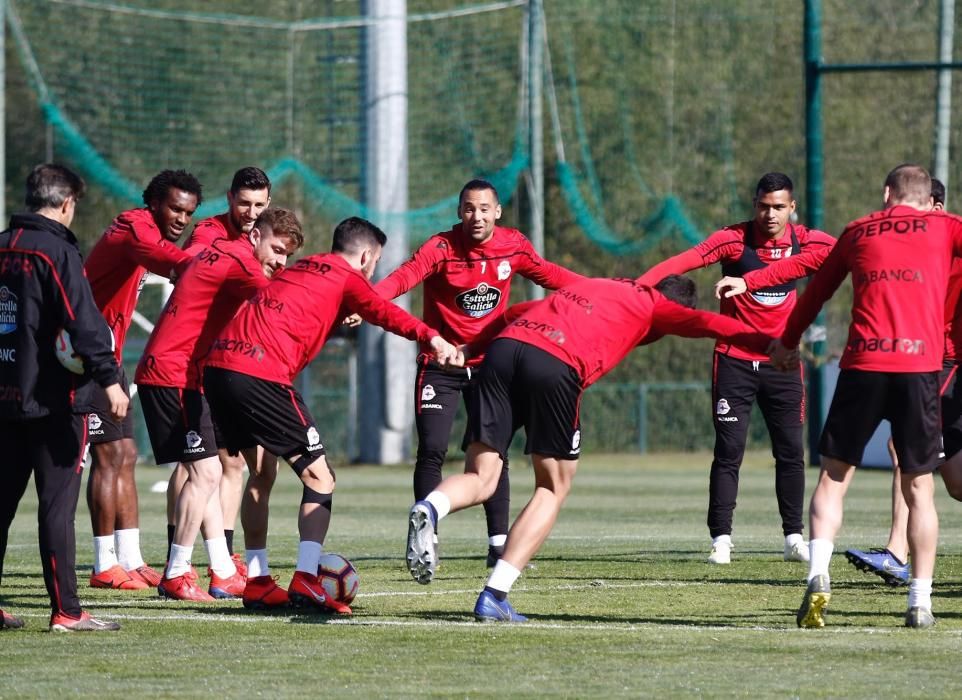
9	622
230	587
62	622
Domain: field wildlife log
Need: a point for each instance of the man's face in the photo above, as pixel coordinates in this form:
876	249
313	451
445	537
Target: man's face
271	251
367	268
772	212
479	211
244	207
173	213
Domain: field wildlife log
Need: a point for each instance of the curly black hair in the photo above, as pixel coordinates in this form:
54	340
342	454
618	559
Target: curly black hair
166	180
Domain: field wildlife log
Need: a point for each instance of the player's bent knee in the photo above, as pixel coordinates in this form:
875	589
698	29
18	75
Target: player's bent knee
324	500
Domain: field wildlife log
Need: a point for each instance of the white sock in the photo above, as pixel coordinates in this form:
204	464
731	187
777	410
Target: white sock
219	557
722	541
128	548
503	576
497	540
819	555
441	503
920	593
179	563
104	554
257	563
793	539
308	556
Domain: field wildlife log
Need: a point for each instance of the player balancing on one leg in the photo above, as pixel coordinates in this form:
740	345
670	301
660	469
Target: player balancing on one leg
138	241
891	562
889	370
43	290
222	276
740	377
533	375
249	374
248	196
466	274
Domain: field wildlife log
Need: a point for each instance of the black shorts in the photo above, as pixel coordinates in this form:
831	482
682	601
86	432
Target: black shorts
951	410
252	411
908	400
179	424
522	385
101	426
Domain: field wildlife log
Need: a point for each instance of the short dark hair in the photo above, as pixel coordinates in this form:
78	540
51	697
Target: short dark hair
50	184
250	178
282	223
938	191
773	182
354	233
909	182
680	289
166	180
478	184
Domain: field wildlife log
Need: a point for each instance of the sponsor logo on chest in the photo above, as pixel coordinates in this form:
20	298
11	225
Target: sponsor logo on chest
479	301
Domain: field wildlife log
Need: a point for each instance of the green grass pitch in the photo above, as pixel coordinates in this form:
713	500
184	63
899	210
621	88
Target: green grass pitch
621	602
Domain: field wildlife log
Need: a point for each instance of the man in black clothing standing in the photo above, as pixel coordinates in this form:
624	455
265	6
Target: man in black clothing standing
43	291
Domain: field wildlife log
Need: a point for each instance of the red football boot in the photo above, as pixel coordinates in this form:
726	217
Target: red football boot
263	593
306	591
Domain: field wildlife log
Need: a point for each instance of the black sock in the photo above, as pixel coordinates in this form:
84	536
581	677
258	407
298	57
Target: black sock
500	595
229	536
170	538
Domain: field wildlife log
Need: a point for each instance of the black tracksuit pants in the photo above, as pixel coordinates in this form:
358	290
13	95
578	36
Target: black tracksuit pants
437	393
51	449
736	385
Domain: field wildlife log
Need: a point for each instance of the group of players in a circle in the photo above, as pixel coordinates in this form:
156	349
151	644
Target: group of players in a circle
216	378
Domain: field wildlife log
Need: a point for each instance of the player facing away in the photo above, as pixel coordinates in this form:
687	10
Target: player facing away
466	274
899	259
891	562
533	375
741	376
137	242
248	196
223	275
43	290
249	374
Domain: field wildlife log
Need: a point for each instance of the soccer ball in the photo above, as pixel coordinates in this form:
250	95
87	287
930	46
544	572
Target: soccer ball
338	577
65	354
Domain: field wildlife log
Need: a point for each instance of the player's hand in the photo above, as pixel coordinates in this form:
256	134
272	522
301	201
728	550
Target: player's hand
118	401
444	352
734	285
782	358
352	321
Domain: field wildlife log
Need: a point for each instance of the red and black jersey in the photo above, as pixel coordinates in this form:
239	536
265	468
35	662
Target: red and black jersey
221	277
743	251
467	285
119	262
207	231
953	311
593	324
283	327
900	260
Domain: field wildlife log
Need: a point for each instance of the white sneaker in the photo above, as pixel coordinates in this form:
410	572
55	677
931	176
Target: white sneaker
796	552
720	554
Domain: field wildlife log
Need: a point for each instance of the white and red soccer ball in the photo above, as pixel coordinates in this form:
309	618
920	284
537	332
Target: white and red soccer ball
338	577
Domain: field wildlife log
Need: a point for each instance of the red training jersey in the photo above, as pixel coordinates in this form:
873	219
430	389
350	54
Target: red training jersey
207	231
953	311
467	285
118	265
766	308
899	259
593	324
220	278
283	327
